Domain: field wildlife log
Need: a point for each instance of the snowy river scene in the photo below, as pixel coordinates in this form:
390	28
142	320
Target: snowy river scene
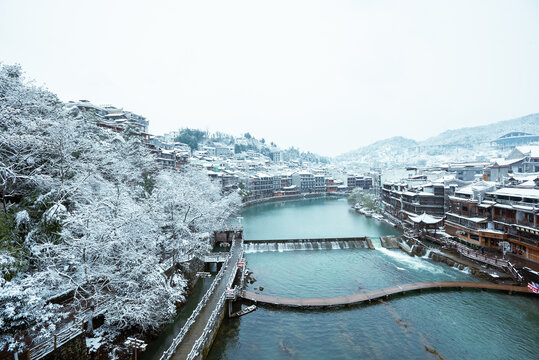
245	180
448	325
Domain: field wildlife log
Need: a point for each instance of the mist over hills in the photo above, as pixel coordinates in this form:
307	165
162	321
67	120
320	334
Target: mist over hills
462	144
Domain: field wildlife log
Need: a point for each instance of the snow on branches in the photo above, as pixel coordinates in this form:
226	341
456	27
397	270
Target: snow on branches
87	212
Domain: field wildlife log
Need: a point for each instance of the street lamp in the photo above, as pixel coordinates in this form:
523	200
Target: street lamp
136	344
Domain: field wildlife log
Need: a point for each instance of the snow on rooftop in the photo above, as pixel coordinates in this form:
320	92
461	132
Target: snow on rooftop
530	150
479	186
426	219
473	219
530	184
529	193
504	162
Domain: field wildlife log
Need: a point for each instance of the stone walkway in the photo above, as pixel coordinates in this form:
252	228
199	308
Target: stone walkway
196	330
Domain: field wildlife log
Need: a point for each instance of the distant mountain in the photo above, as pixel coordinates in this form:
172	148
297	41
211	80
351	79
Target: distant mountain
451	145
485	133
383	146
381	153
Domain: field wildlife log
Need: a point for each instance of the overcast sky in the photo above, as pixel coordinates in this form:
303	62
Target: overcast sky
327	76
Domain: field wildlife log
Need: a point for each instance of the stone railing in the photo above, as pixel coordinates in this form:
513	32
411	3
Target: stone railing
191	320
212	324
502	263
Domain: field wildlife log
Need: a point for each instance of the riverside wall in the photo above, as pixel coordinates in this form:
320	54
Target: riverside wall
213	334
73	349
292	197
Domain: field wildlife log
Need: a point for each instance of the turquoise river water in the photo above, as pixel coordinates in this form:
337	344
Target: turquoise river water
433	325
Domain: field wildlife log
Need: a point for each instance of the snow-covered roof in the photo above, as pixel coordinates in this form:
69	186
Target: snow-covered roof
528	193
530	184
473	219
426	219
467	190
523	207
504	206
491	231
530	150
504	162
479	186
462	199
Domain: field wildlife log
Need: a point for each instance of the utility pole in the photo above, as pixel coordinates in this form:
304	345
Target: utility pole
136	344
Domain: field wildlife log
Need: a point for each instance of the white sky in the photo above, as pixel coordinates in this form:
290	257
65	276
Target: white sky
327	76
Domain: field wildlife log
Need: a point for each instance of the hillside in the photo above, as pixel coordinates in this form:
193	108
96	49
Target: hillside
197	138
485	133
462	144
380	148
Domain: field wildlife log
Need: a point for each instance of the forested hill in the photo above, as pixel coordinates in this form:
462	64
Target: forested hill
486	133
385	150
386	146
87	212
196	139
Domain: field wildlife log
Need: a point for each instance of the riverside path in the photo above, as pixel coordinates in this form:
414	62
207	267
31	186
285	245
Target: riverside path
196	328
367	297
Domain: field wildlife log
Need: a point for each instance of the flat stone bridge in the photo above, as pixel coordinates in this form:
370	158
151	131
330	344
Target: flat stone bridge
367	297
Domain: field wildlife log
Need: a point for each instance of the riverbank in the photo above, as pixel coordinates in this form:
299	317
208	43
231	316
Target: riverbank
291	197
341	273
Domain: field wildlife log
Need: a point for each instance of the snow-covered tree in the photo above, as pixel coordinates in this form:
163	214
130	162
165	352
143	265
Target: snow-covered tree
86	212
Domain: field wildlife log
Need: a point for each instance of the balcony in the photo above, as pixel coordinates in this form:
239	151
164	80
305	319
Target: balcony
513	202
524	240
523	222
468	223
504	219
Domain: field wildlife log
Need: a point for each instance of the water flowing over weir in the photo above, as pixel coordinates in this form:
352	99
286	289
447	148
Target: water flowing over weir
376	242
410	327
254	246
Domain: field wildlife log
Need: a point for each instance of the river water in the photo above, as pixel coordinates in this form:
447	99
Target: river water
448	325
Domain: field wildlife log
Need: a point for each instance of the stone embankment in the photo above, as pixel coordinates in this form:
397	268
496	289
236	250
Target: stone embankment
452	258
417	248
291	197
390	242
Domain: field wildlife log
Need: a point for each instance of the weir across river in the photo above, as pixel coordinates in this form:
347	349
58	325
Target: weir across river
307	244
367	297
196	337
